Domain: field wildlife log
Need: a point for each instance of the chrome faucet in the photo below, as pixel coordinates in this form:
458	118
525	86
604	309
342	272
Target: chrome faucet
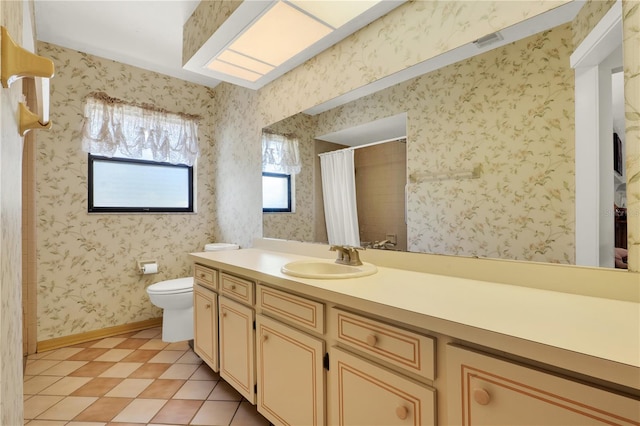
347	255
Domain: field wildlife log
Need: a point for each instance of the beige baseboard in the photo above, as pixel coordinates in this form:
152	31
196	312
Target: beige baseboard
60	342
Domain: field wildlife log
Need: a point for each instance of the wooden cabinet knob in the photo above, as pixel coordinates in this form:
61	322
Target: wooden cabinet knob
224	315
402	412
265	337
208	305
372	340
202	275
233	287
481	396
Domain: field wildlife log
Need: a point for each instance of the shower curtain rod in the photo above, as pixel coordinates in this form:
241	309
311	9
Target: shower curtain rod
353	148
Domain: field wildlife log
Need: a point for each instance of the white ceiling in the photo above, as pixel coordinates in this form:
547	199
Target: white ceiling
143	33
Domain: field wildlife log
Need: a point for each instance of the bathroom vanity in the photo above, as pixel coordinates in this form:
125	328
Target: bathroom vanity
407	347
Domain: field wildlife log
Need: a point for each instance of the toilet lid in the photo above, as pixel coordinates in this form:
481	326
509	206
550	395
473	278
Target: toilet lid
179	285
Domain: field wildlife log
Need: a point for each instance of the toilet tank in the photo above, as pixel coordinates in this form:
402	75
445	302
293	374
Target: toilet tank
220	246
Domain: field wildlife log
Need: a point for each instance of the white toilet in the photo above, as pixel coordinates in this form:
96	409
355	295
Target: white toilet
175	297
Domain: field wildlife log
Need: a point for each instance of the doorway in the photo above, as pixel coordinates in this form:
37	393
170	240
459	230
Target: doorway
595	61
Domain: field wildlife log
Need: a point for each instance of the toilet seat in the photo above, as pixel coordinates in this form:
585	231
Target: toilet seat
176	286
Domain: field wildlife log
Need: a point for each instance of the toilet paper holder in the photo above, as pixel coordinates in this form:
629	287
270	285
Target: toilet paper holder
148	266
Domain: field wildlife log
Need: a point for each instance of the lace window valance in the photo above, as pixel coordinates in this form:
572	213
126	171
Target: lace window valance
280	153
113	127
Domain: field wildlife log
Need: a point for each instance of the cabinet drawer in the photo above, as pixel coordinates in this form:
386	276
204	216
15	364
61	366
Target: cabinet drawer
363	393
485	390
206	277
401	348
297	310
237	288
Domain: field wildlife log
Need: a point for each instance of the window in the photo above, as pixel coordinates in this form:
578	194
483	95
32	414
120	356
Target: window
128	185
276	192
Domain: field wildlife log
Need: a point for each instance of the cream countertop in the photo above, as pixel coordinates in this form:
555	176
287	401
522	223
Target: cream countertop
603	328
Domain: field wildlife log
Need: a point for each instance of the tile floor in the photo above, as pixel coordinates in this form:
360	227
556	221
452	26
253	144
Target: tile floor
130	379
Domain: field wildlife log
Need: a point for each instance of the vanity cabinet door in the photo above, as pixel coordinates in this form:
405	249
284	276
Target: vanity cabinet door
290	374
363	393
205	320
484	390
237	347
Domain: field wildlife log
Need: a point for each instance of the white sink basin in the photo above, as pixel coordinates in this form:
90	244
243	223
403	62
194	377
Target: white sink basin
327	269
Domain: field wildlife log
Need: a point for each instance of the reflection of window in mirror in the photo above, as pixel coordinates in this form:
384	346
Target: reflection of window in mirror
276	193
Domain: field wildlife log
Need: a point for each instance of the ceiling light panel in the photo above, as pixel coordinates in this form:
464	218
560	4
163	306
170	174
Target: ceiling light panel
279	34
233	70
244	62
335	12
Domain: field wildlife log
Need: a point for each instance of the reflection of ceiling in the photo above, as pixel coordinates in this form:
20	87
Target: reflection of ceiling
537	24
385	129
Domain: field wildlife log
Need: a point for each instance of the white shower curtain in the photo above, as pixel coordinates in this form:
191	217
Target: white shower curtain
339	192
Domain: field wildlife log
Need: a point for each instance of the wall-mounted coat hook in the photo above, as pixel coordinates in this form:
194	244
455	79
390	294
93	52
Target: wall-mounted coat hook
18	62
30	121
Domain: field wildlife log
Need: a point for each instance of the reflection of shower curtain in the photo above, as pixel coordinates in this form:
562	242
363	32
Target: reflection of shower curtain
339	192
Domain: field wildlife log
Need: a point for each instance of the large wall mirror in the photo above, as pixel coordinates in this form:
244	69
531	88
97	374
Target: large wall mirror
480	161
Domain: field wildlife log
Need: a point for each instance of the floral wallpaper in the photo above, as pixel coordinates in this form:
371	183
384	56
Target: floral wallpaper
631	37
87	277
298	225
509	110
204	21
11	408
588	16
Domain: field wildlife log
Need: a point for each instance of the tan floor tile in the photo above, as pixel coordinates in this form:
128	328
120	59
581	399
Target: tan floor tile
179	371
149	333
36	367
215	413
204	372
121	369
247	415
88	354
114	355
103	410
177	411
38	355
129	388
37	383
154	344
109	342
62	354
149	371
98	386
65	386
131	344
86	424
140	410
92	369
38	404
140	355
224	392
47	423
189	358
68	408
167	356
162	389
195	389
178	346
64	368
